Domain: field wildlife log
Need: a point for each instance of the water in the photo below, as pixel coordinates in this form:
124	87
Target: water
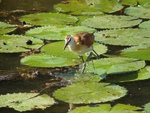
11	69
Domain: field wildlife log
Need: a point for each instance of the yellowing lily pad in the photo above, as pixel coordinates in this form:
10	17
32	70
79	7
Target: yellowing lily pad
109	21
49	19
86	93
26	101
57	32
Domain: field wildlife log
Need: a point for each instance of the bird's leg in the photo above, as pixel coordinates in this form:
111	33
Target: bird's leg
83	64
96	54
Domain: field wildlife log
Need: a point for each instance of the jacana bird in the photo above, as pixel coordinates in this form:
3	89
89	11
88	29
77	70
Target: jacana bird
80	44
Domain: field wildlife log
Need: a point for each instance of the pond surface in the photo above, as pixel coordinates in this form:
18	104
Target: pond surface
13	74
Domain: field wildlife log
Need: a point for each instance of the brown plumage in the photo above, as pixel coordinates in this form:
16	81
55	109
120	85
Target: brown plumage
80	43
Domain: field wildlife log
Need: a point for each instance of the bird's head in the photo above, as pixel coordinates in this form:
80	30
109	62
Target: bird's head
68	40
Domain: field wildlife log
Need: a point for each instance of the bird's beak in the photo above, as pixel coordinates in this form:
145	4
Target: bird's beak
66	44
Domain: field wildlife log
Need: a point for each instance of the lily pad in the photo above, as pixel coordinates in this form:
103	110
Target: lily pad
139	52
145	25
109	21
85	93
49	19
6	28
106	108
26	101
44	60
114	65
139	12
147	107
143	74
18	43
107	6
123	37
77	8
57	33
49	49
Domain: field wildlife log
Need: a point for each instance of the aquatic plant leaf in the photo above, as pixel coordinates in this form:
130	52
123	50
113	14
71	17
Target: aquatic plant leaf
44	60
108	6
6	28
142	74
114	65
123	37
109	21
147	107
106	108
77	8
26	101
128	2
139	52
145	25
18	43
49	19
85	93
49	49
139	12
57	32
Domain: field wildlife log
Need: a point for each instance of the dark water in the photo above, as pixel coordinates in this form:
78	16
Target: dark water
138	92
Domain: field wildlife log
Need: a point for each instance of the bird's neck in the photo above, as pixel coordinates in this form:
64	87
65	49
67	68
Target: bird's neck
72	44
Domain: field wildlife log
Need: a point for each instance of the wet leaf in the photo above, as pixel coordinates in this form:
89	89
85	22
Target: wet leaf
114	65
49	19
77	8
6	28
57	33
123	37
85	93
107	6
44	60
145	25
109	21
49	49
139	52
106	108
143	74
24	101
18	43
139	12
147	107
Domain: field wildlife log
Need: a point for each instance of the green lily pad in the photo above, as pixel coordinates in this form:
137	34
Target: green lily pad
139	12
134	2
6	28
109	21
44	60
57	33
143	74
106	108
114	65
49	19
147	107
107	6
77	8
26	101
123	37
85	93
49	49
18	43
145	25
139	52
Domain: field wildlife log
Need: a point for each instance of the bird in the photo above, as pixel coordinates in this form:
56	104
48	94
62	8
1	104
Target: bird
80	44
